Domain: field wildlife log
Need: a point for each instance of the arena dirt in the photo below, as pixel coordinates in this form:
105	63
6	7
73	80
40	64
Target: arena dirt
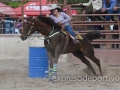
14	76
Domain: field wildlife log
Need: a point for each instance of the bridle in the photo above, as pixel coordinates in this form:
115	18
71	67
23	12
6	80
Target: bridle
46	37
32	26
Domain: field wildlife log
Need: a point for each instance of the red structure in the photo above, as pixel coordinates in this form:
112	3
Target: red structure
4	9
33	8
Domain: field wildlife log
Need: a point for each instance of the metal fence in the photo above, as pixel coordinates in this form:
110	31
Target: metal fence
82	22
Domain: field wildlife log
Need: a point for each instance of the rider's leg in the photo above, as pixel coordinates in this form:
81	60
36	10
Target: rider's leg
108	17
118	11
68	28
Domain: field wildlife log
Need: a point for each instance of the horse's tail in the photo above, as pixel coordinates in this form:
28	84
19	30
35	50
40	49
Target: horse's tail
93	35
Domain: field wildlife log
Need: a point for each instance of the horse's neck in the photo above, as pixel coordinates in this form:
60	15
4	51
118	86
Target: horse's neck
45	30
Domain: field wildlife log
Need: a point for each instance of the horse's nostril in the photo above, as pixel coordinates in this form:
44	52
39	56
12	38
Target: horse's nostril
23	37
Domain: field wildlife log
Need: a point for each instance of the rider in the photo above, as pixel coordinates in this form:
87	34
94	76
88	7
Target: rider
62	19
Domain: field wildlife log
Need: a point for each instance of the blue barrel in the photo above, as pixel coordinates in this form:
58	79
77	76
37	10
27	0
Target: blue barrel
38	62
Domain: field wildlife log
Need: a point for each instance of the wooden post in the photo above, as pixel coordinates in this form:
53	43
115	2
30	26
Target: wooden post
107	27
22	12
119	28
40	6
65	2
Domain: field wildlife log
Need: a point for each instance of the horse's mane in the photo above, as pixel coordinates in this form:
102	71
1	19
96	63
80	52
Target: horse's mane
49	21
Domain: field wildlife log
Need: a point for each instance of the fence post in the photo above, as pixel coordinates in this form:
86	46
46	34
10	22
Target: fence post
65	2
107	27
119	27
22	10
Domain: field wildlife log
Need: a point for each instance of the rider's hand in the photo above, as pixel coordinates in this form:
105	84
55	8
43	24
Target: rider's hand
2	20
94	10
59	23
80	4
103	10
47	15
115	8
62	26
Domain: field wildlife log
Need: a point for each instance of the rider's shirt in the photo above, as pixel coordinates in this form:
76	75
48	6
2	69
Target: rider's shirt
64	18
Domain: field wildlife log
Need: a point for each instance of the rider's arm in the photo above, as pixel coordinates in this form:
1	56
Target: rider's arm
67	17
87	4
112	5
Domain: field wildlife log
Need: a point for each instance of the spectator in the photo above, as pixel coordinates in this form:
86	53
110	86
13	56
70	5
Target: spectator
2	26
9	25
18	26
116	9
97	6
74	12
108	6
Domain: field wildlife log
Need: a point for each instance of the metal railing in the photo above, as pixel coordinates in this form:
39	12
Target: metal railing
85	22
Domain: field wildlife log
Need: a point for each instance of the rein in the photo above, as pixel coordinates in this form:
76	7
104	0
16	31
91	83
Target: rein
50	35
30	29
46	37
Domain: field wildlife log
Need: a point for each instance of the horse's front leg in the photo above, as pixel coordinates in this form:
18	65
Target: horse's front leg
50	53
55	61
51	57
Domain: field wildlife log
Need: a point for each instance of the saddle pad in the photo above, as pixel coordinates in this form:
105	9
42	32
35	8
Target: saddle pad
77	35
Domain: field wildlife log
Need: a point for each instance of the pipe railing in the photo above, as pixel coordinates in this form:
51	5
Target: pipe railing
84	23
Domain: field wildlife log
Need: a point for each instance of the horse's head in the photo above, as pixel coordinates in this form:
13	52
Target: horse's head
41	23
28	28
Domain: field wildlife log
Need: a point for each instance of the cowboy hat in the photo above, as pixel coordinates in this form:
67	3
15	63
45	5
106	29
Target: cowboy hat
54	6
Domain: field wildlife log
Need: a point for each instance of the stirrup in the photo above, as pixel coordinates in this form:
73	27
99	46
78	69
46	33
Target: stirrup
76	41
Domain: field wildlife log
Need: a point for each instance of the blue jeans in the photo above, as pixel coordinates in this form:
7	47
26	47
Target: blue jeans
9	30
111	12
68	28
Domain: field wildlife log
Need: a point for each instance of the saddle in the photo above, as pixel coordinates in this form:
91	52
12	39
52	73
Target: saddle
67	38
78	36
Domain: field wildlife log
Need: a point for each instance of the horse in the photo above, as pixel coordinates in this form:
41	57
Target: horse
55	40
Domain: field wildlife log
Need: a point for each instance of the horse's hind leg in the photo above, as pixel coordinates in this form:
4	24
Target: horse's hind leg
90	55
88	51
97	62
81	56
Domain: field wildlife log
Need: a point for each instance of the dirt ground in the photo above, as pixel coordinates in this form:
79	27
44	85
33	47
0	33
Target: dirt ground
14	76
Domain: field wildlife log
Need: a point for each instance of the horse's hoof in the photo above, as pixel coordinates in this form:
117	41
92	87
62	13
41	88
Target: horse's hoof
55	74
51	80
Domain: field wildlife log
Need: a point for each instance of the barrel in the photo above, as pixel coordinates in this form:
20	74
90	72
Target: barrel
38	62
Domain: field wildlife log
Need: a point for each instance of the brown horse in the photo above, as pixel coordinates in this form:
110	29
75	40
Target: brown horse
55	40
